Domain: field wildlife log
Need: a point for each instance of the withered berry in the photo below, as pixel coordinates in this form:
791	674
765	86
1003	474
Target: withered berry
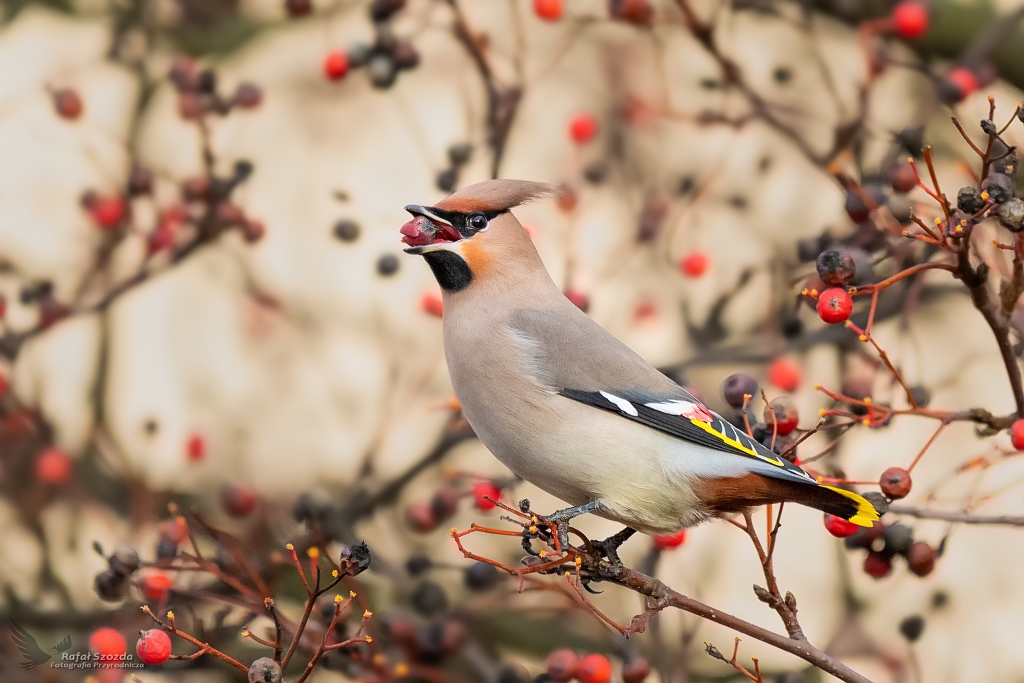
445	503
968	200
265	670
912	627
736	386
1011	214
1000	187
898	539
989	127
387	264
429	599
382	70
878	501
481	576
836	268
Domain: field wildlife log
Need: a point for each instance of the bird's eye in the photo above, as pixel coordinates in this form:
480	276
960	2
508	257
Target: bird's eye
478	221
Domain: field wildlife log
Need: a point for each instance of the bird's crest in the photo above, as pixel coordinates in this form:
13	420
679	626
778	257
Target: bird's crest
494	195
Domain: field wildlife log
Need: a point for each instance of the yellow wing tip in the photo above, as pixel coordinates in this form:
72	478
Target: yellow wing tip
866	514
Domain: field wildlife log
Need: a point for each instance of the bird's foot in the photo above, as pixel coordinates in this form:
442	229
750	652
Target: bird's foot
559	522
609	548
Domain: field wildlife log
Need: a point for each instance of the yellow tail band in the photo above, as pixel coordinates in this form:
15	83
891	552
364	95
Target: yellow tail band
866	513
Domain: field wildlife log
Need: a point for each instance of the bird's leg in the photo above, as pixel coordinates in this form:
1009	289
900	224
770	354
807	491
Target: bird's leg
560	520
609	547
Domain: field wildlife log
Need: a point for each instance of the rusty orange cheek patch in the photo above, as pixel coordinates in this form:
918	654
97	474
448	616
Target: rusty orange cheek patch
476	256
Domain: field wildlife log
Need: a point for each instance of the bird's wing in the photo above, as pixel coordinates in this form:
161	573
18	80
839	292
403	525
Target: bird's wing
579	359
64	644
692	421
27	645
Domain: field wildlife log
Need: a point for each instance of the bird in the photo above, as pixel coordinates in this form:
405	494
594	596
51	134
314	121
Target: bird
567	406
29	648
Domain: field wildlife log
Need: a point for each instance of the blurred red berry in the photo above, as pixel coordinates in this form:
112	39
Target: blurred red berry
637	12
1017	434
247	96
445	503
562	665
195	447
420	517
298	8
578	299
645	310
3	306
67	103
784	374
921	558
910	19
238	500
635	670
877	566
335	65
190	107
839	527
583	128
157	586
903	178
669	541
786	415
963	81
107	212
567	199
154	646
594	668
107	642
53	467
3	381
549	10
694	264
431	304
176	529
484	490
895	482
252	231
835	305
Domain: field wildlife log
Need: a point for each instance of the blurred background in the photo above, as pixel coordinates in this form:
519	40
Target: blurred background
206	308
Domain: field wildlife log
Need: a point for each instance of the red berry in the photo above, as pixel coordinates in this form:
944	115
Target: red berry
910	19
895	482
432	304
839	527
421	518
635	670
157	586
335	65
549	10
53	467
298	8
877	566
3	378
567	199
784	374
237	500
195	448
583	128
637	12
694	264
176	529
903	178
921	558
594	668
563	665
669	541
107	212
786	415
578	299
445	503
190	107
1017	434
67	103
484	490
107	642
3	306
645	310
835	305
963	80
154	646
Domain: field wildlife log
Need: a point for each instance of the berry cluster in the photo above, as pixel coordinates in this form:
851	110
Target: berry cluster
886	542
565	665
426	516
384	59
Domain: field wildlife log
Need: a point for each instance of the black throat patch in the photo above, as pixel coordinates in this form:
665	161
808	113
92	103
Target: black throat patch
450	270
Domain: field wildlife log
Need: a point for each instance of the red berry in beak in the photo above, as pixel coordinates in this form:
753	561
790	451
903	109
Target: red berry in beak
418	231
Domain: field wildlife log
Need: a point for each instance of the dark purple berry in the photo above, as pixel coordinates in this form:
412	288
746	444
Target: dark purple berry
736	386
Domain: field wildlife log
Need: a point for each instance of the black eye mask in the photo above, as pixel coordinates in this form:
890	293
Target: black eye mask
463	222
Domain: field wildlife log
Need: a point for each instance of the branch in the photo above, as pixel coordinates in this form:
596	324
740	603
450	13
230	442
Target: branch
961	517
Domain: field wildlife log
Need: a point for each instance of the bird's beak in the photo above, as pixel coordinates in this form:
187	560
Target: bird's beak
427	231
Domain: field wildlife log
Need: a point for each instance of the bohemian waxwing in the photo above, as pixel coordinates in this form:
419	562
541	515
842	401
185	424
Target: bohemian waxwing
570	408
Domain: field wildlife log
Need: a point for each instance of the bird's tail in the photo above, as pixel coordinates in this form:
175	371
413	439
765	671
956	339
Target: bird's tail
729	494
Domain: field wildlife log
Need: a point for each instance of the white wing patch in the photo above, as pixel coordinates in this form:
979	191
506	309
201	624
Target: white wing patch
671	407
621	403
